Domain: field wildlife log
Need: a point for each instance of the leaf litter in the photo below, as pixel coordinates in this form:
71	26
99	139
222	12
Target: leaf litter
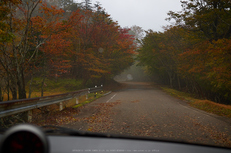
101	121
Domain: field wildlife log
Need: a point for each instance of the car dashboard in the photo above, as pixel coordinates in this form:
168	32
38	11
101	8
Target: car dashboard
29	138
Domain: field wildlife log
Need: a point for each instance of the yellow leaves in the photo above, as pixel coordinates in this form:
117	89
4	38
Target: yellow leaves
50	11
97	70
1	32
38	23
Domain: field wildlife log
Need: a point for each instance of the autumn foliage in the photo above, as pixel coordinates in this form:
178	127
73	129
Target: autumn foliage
194	54
44	40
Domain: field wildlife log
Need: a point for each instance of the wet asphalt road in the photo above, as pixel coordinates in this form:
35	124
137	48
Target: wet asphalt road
141	109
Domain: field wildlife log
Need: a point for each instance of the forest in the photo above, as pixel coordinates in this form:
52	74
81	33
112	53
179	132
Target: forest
193	54
50	39
59	39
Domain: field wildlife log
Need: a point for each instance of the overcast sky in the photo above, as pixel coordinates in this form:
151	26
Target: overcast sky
148	14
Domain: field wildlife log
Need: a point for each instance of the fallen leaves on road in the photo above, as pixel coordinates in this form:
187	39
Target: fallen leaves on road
58	118
101	121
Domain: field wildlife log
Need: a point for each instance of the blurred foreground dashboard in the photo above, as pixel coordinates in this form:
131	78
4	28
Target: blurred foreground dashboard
30	139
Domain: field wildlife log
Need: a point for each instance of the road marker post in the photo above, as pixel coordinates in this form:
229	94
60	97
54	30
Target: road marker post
77	101
61	106
29	114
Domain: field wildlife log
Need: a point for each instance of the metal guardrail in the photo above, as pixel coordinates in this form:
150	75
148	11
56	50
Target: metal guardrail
95	89
22	105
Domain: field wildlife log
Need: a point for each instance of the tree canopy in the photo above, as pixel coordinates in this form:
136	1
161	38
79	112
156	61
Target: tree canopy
194	54
59	39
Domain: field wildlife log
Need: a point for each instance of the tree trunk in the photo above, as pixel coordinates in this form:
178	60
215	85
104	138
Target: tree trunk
14	92
8	88
30	90
31	80
21	84
178	80
170	79
42	85
1	95
171	85
21	90
13	88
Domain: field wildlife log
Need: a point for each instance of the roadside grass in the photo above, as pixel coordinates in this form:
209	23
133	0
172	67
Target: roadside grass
51	114
212	107
205	105
33	95
38	94
179	94
51	87
91	97
56	85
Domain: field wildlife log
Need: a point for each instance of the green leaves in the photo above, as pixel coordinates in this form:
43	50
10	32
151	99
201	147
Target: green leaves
183	57
211	17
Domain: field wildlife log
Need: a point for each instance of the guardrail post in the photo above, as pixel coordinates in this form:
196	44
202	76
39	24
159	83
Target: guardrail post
61	106
77	100
95	93
29	114
88	93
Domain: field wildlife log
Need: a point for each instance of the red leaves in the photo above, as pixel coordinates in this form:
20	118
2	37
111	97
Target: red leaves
50	11
209	61
58	32
75	39
200	66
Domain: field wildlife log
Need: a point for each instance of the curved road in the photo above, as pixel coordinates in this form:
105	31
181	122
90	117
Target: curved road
141	109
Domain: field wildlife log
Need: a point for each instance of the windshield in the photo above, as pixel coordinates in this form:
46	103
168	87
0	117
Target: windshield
155	69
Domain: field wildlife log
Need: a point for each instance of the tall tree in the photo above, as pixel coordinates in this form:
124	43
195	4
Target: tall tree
211	17
14	52
139	34
87	4
194	54
29	32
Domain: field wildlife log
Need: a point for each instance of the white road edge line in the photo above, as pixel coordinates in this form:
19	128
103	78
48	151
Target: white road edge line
194	110
111	97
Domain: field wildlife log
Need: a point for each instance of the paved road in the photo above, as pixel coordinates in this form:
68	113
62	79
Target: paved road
141	109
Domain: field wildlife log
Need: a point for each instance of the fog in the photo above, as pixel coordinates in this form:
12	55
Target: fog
134	73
